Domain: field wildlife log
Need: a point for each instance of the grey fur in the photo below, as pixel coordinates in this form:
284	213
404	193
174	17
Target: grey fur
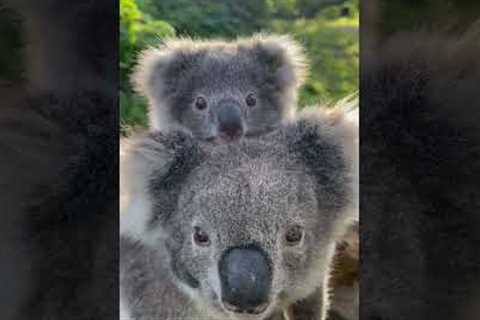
172	75
241	193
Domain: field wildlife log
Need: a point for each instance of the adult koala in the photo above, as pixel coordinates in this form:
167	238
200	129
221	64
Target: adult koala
235	231
220	90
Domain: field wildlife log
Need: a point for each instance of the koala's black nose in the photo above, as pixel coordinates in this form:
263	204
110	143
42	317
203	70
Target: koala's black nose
230	121
245	276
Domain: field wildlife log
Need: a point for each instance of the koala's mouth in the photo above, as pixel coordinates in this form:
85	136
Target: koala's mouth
224	139
253	311
259	312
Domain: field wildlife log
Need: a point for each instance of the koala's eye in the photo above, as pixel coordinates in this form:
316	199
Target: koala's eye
251	100
201	103
294	235
200	237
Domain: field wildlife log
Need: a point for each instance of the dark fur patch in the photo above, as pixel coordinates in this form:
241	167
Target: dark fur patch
324	161
165	188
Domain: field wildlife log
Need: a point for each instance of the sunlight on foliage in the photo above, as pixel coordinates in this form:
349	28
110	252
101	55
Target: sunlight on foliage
332	49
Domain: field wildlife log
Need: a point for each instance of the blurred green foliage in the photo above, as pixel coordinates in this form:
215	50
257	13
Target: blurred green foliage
328	29
137	30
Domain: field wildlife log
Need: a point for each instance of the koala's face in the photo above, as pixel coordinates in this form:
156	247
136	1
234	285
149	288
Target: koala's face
244	244
249	236
222	91
224	96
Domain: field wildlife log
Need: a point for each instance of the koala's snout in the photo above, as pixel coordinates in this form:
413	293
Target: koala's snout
246	277
230	121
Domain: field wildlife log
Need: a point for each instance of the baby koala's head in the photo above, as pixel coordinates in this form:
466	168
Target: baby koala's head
221	91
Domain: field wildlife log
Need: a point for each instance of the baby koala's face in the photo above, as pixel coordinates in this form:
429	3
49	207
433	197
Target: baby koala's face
226	95
222	91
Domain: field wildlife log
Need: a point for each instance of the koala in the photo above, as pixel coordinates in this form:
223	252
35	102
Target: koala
234	231
221	91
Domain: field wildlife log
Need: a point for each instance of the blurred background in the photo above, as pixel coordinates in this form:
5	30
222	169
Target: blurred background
328	29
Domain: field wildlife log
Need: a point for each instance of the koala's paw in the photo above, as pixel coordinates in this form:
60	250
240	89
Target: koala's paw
309	308
345	277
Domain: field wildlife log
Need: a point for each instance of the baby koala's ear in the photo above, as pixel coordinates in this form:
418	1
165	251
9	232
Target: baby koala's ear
153	168
159	68
284	59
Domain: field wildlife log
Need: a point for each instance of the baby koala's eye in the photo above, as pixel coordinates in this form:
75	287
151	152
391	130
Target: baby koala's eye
201	103
200	237
294	235
251	100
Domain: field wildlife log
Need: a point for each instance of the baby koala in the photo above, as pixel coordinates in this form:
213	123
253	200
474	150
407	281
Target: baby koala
221	91
234	231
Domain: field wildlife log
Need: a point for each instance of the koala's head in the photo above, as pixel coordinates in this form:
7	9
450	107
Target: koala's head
220	90
249	227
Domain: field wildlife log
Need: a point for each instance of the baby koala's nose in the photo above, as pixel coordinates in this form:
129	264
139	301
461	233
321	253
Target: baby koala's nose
245	275
230	121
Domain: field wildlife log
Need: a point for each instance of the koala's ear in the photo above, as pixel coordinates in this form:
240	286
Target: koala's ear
283	57
159	68
153	168
327	143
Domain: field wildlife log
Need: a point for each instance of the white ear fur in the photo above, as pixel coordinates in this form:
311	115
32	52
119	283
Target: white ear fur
147	80
139	158
347	124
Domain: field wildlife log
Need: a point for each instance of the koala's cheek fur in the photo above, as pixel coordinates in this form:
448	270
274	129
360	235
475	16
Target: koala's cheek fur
180	258
272	109
195	267
262	120
196	271
199	123
303	270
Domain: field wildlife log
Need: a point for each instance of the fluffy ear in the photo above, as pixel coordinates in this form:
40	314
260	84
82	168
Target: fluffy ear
326	142
284	58
153	167
158	70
